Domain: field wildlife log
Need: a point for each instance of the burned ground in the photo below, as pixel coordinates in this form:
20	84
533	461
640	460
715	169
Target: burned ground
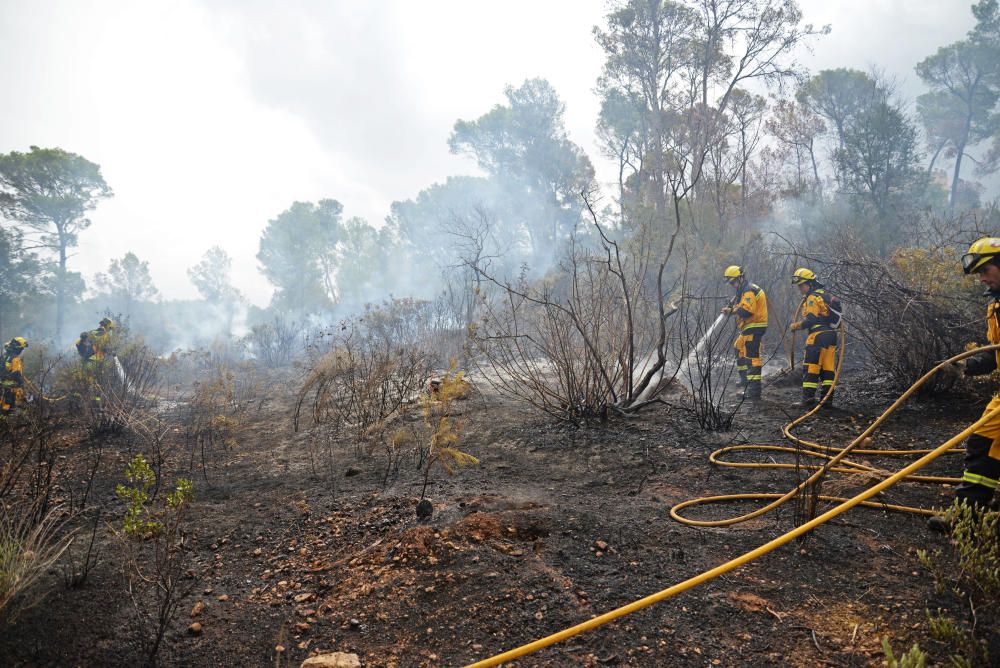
556	524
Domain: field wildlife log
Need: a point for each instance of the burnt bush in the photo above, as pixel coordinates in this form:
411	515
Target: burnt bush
910	310
363	373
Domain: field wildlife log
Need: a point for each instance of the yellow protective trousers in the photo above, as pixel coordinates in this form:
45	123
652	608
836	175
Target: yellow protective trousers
820	361
749	353
982	461
10	396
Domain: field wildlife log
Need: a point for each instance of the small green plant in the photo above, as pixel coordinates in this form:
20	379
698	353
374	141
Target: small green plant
915	658
136	495
445	431
969	574
945	628
155	551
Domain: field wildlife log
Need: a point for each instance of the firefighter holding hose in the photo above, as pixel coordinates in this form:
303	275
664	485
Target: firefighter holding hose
750	308
12	375
982	449
820	317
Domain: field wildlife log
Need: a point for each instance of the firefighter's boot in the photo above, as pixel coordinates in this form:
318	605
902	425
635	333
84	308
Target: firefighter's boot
939	524
828	393
945	522
808	399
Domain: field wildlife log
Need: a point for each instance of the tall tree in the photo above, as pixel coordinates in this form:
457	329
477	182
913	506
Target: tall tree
211	276
21	274
127	281
796	128
670	75
878	163
957	112
838	96
524	145
297	254
50	191
363	270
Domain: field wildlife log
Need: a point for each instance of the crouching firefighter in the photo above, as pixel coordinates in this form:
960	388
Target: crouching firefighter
12	375
92	346
750	308
982	449
820	317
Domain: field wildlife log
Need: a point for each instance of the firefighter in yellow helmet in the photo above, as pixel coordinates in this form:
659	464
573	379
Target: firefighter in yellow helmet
93	345
819	315
982	449
12	375
750	308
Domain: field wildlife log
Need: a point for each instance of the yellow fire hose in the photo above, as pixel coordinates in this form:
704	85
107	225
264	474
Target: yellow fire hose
836	462
844	505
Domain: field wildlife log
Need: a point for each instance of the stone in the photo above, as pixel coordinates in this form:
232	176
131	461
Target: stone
332	660
195	629
198	608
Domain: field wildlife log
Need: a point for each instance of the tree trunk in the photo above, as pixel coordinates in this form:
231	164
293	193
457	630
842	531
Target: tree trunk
958	159
955	178
61	284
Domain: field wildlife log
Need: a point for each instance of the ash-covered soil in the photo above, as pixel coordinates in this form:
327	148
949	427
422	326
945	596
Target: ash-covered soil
557	524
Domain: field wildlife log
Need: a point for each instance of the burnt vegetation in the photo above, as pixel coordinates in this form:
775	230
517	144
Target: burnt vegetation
465	429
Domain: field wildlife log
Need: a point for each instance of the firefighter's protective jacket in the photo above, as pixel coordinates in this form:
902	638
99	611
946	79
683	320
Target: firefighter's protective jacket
99	342
751	311
815	312
13	372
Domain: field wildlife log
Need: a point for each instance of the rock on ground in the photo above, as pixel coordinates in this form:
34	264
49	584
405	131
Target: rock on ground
333	660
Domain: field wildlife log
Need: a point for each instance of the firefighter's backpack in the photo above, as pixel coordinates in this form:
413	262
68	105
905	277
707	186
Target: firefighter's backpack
84	346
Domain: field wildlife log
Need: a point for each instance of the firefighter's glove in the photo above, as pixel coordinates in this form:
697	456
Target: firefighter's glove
796	325
953	372
728	310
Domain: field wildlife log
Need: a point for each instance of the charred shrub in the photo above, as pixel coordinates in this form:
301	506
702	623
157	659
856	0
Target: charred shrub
588	340
273	343
362	376
909	311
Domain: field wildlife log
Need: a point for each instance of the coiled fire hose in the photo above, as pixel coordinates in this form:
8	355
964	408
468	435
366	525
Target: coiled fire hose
836	461
906	473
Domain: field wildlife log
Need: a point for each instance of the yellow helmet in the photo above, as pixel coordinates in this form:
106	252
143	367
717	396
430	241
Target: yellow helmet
980	252
733	272
18	342
802	275
107	323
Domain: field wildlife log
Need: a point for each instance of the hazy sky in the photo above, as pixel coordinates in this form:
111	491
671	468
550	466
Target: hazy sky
210	117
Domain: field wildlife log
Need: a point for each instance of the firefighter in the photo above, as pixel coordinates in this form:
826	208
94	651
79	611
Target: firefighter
982	449
12	375
820	320
92	346
750	308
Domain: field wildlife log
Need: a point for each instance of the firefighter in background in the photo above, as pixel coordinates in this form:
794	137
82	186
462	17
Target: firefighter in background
750	309
982	449
94	345
820	321
12	375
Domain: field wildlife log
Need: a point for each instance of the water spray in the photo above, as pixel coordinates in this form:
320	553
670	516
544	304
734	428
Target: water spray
121	372
684	369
